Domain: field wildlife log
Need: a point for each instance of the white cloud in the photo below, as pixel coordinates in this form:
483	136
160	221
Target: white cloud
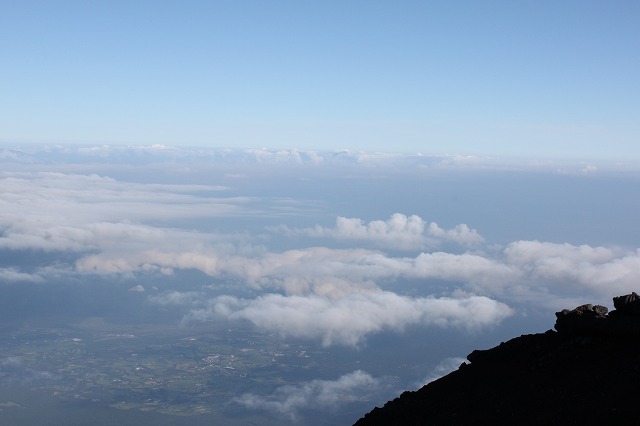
112	262
314	394
397	232
187	298
568	268
348	320
314	270
460	234
389	275
526	271
55	211
112	227
13	275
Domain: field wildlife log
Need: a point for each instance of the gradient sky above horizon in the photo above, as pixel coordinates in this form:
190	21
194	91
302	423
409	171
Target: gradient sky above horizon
506	78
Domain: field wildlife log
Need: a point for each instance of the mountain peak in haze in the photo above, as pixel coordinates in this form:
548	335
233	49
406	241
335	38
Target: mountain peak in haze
587	372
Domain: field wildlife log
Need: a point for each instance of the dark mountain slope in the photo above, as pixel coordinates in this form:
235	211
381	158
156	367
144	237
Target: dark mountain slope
587	372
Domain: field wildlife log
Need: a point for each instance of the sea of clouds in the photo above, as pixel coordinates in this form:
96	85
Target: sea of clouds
127	213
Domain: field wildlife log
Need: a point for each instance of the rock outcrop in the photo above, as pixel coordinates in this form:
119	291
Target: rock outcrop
586	372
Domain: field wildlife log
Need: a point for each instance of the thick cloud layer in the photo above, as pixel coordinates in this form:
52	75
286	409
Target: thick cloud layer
525	270
108	227
348	320
599	270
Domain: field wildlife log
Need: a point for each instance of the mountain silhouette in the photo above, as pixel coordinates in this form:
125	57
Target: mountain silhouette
585	372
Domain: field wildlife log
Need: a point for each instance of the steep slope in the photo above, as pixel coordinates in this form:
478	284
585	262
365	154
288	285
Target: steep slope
586	372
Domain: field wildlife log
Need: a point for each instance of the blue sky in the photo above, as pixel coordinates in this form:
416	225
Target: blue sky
520	78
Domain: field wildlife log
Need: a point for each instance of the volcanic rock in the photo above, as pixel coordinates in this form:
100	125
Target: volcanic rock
587	372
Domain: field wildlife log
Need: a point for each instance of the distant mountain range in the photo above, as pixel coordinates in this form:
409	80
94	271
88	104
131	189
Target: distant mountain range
586	372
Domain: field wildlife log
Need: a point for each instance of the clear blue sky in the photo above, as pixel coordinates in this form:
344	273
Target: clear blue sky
527	78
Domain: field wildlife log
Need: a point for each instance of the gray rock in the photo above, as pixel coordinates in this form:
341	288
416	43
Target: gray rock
583	320
627	305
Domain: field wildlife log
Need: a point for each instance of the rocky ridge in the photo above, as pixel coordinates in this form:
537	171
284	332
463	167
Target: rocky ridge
585	372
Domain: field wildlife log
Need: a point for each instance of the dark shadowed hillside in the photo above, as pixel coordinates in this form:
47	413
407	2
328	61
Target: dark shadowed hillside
585	372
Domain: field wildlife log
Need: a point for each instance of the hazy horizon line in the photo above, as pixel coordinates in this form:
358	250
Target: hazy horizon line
317	156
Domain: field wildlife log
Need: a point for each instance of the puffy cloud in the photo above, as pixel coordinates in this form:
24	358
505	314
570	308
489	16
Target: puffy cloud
460	234
113	227
526	271
532	254
314	394
473	269
397	232
112	262
314	270
348	320
569	268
